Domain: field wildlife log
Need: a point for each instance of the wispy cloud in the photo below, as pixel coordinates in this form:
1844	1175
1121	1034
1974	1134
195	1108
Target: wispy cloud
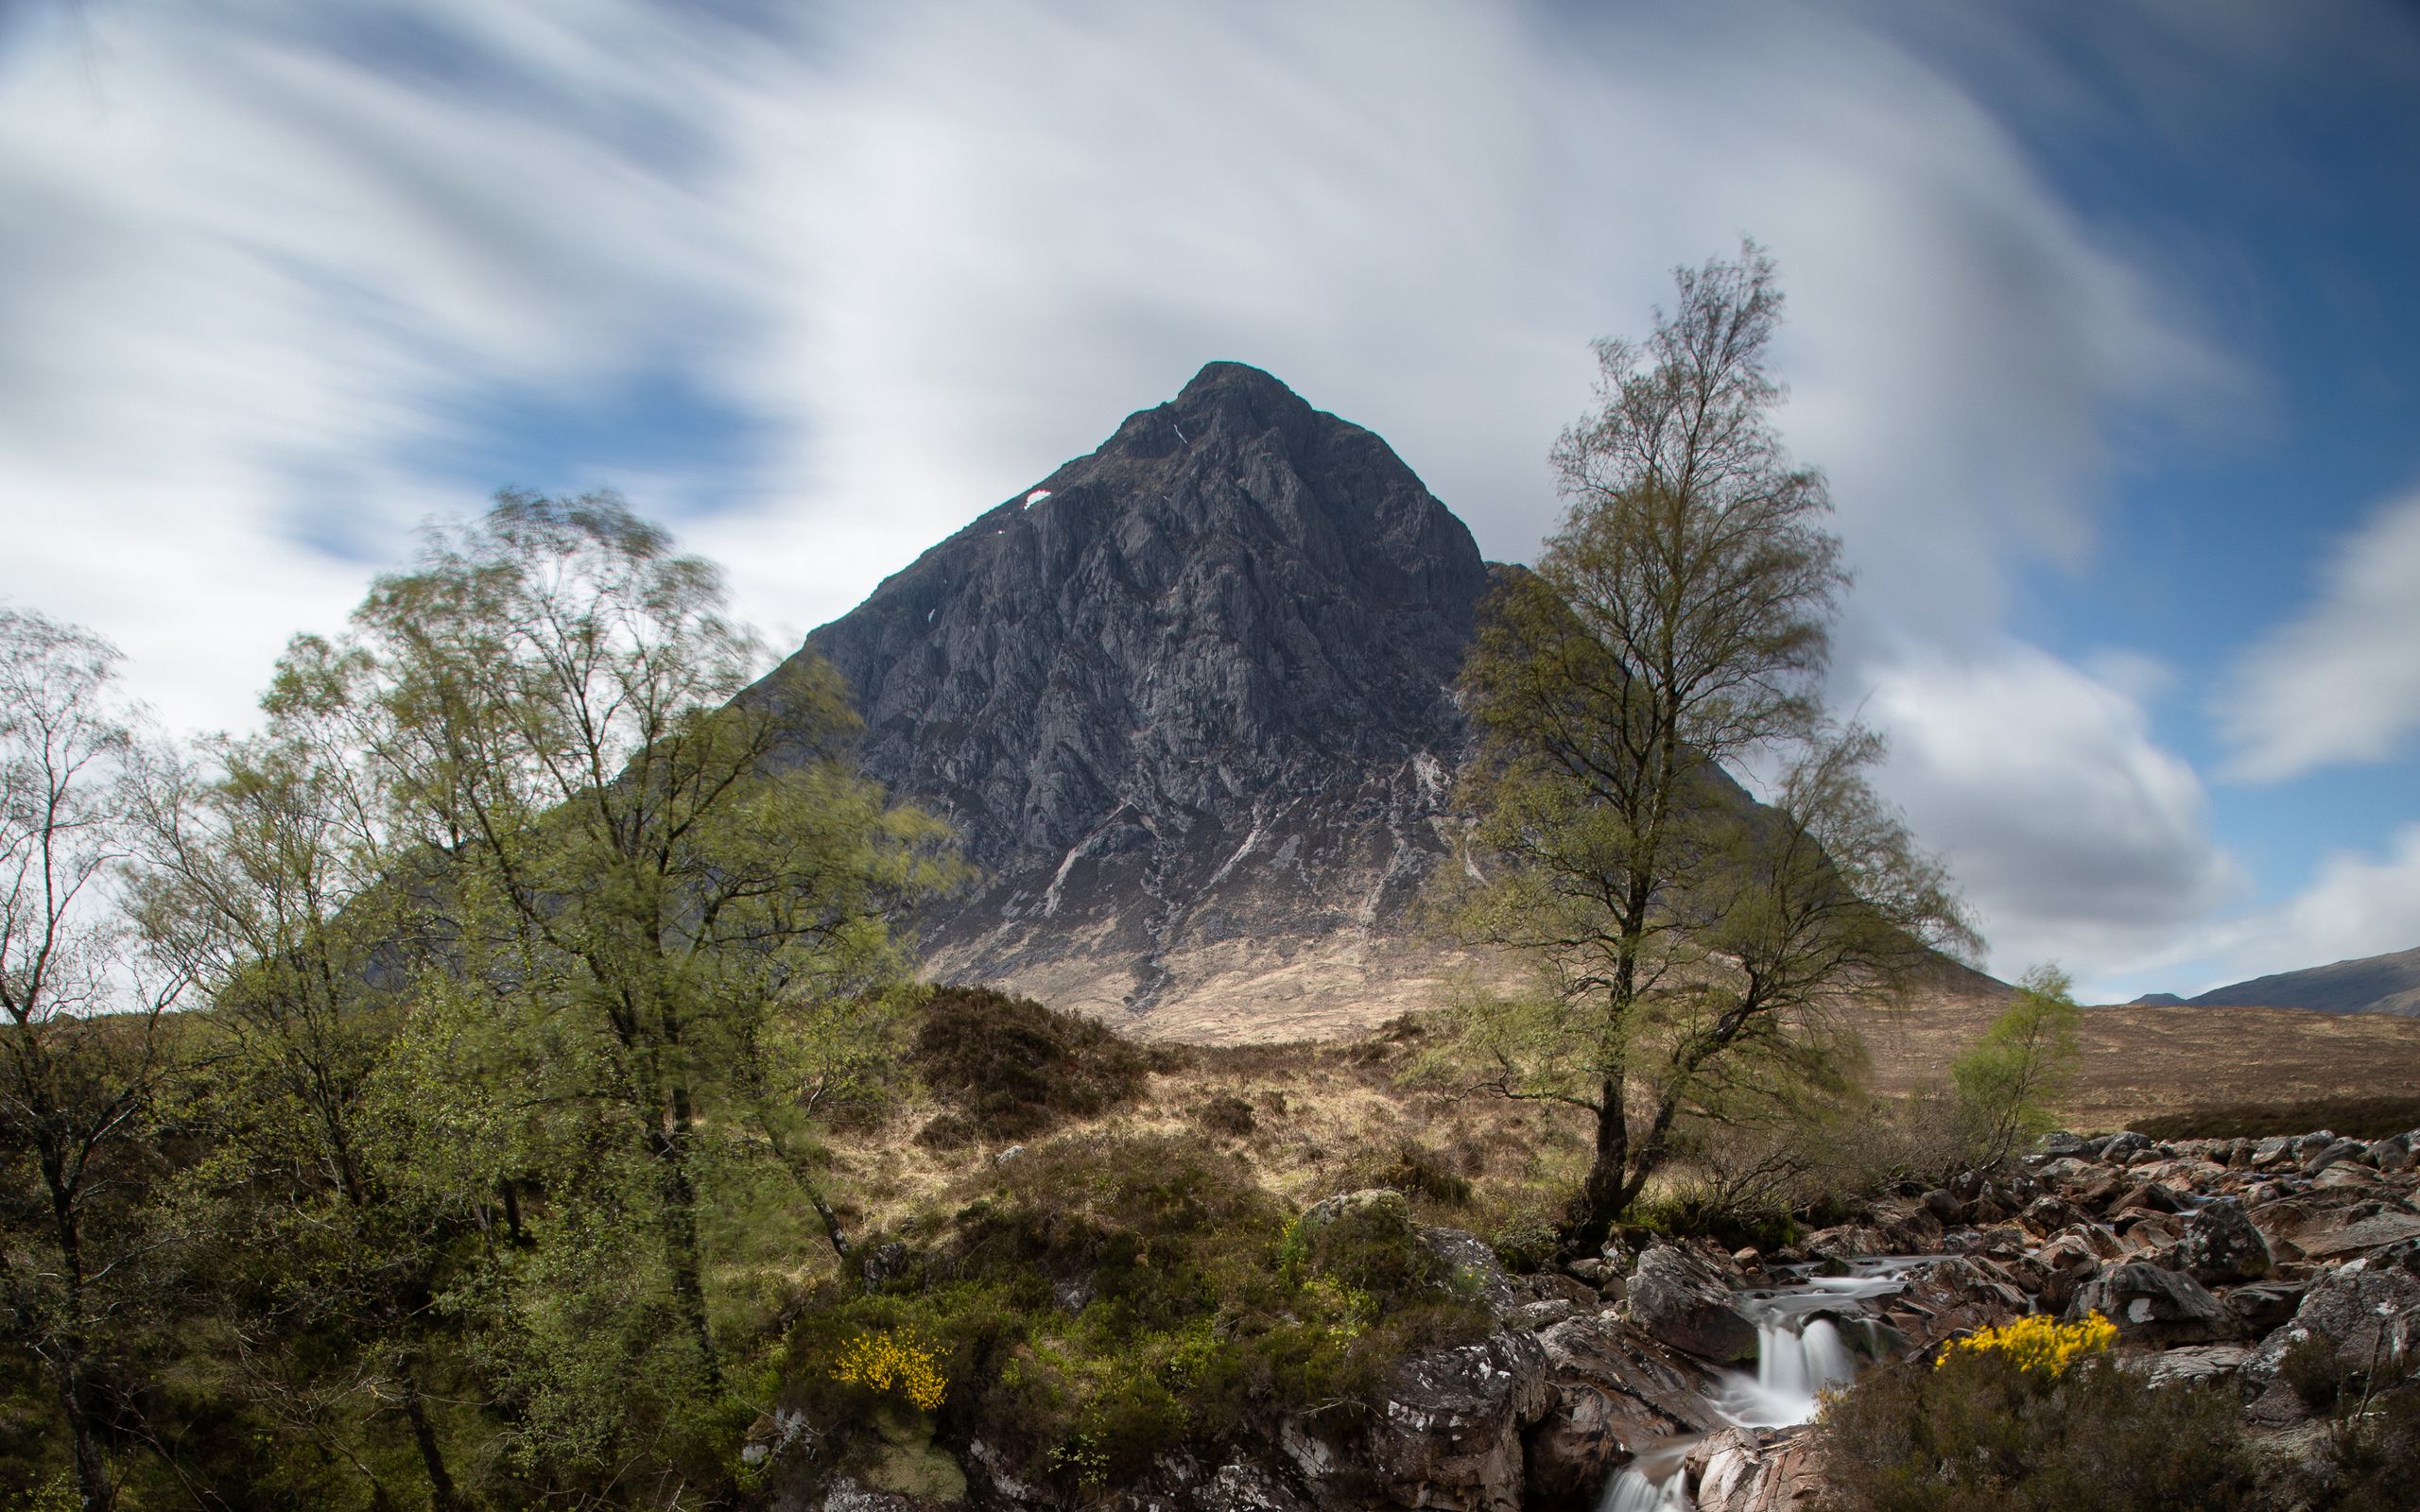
2341	682
270	265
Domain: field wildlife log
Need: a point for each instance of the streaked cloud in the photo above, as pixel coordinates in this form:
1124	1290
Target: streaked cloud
2341	682
2080	839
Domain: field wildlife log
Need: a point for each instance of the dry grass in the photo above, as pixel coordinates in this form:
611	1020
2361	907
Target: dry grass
1327	1114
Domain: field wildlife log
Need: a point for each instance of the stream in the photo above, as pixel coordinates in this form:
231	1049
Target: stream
1800	1352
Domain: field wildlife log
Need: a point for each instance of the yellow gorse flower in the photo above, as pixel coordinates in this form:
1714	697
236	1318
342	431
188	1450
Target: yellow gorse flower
884	1361
2038	1343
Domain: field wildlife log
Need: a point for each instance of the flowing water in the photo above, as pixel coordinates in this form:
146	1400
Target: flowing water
1801	1352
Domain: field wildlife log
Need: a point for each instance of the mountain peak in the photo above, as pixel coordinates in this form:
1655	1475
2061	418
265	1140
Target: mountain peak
1186	699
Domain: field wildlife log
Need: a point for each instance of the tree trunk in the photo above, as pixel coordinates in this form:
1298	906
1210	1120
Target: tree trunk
1603	1194
93	1486
441	1496
680	1194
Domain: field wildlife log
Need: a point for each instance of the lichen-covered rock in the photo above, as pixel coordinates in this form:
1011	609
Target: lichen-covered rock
2370	1312
2221	1243
1448	1433
2154	1304
1686	1302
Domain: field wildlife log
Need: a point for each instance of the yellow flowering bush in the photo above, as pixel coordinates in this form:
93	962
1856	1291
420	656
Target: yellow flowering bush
884	1361
2039	1343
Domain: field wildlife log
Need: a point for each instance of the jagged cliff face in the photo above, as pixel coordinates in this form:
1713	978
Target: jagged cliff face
1188	701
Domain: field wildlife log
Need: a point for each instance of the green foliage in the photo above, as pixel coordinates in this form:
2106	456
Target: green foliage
1983	1434
1104	1300
1009	1068
1675	628
2010	1083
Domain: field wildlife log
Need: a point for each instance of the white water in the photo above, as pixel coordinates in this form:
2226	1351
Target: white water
1799	1356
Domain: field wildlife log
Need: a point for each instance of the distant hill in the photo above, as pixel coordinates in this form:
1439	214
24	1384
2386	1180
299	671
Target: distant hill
2155	1000
2374	983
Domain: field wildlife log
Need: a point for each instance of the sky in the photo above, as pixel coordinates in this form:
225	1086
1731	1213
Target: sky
2100	324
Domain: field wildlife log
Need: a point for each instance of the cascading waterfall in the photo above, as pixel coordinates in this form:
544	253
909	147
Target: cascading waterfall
1800	1355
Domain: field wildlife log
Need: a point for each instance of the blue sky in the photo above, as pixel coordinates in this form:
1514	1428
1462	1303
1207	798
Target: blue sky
2100	324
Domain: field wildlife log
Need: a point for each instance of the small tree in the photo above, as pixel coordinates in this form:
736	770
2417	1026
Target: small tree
2009	1085
650	858
1675	630
80	1048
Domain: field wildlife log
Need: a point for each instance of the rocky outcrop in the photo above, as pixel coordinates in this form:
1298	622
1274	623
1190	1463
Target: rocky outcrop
1187	700
1449	1434
1686	1302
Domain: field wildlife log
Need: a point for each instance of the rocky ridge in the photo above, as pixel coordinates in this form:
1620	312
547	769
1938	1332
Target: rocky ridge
1187	701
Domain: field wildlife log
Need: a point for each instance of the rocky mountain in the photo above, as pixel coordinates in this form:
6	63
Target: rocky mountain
1188	701
2373	984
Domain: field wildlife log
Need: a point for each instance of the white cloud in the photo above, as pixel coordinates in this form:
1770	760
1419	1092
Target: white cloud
263	264
2355	906
2077	837
2340	683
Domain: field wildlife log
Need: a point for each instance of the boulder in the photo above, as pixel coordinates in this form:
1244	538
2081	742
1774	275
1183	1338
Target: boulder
2194	1362
1617	1392
1738	1470
1950	1296
2370	1312
2058	1142
2264	1305
1687	1302
2152	1304
2376	1231
2220	1244
1449	1431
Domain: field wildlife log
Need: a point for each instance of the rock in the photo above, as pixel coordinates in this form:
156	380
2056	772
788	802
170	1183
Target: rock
2058	1142
1738	1470
2266	1305
2271	1151
1618	1391
2375	1232
2194	1362
1476	1268
1449	1431
2392	1156
1384	1204
2371	1314
2149	1303
2221	1243
1946	1205
1246	1488
2334	1152
847	1495
1951	1297
2046	1216
907	1463
2150	1197
2122	1148
1681	1298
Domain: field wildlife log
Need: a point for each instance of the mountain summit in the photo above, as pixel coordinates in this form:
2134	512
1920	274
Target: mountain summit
1188	701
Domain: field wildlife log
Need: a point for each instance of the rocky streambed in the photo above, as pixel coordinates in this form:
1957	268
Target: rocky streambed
1671	1374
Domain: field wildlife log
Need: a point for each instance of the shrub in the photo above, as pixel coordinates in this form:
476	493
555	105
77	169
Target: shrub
2039	1344
2371	1462
2005	1427
1008	1068
2365	1116
1229	1115
886	1362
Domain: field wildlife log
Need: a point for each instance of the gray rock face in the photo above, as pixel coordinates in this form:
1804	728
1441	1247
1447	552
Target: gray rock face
2149	1303
1187	700
1449	1434
2370	1312
1688	1303
2221	1243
